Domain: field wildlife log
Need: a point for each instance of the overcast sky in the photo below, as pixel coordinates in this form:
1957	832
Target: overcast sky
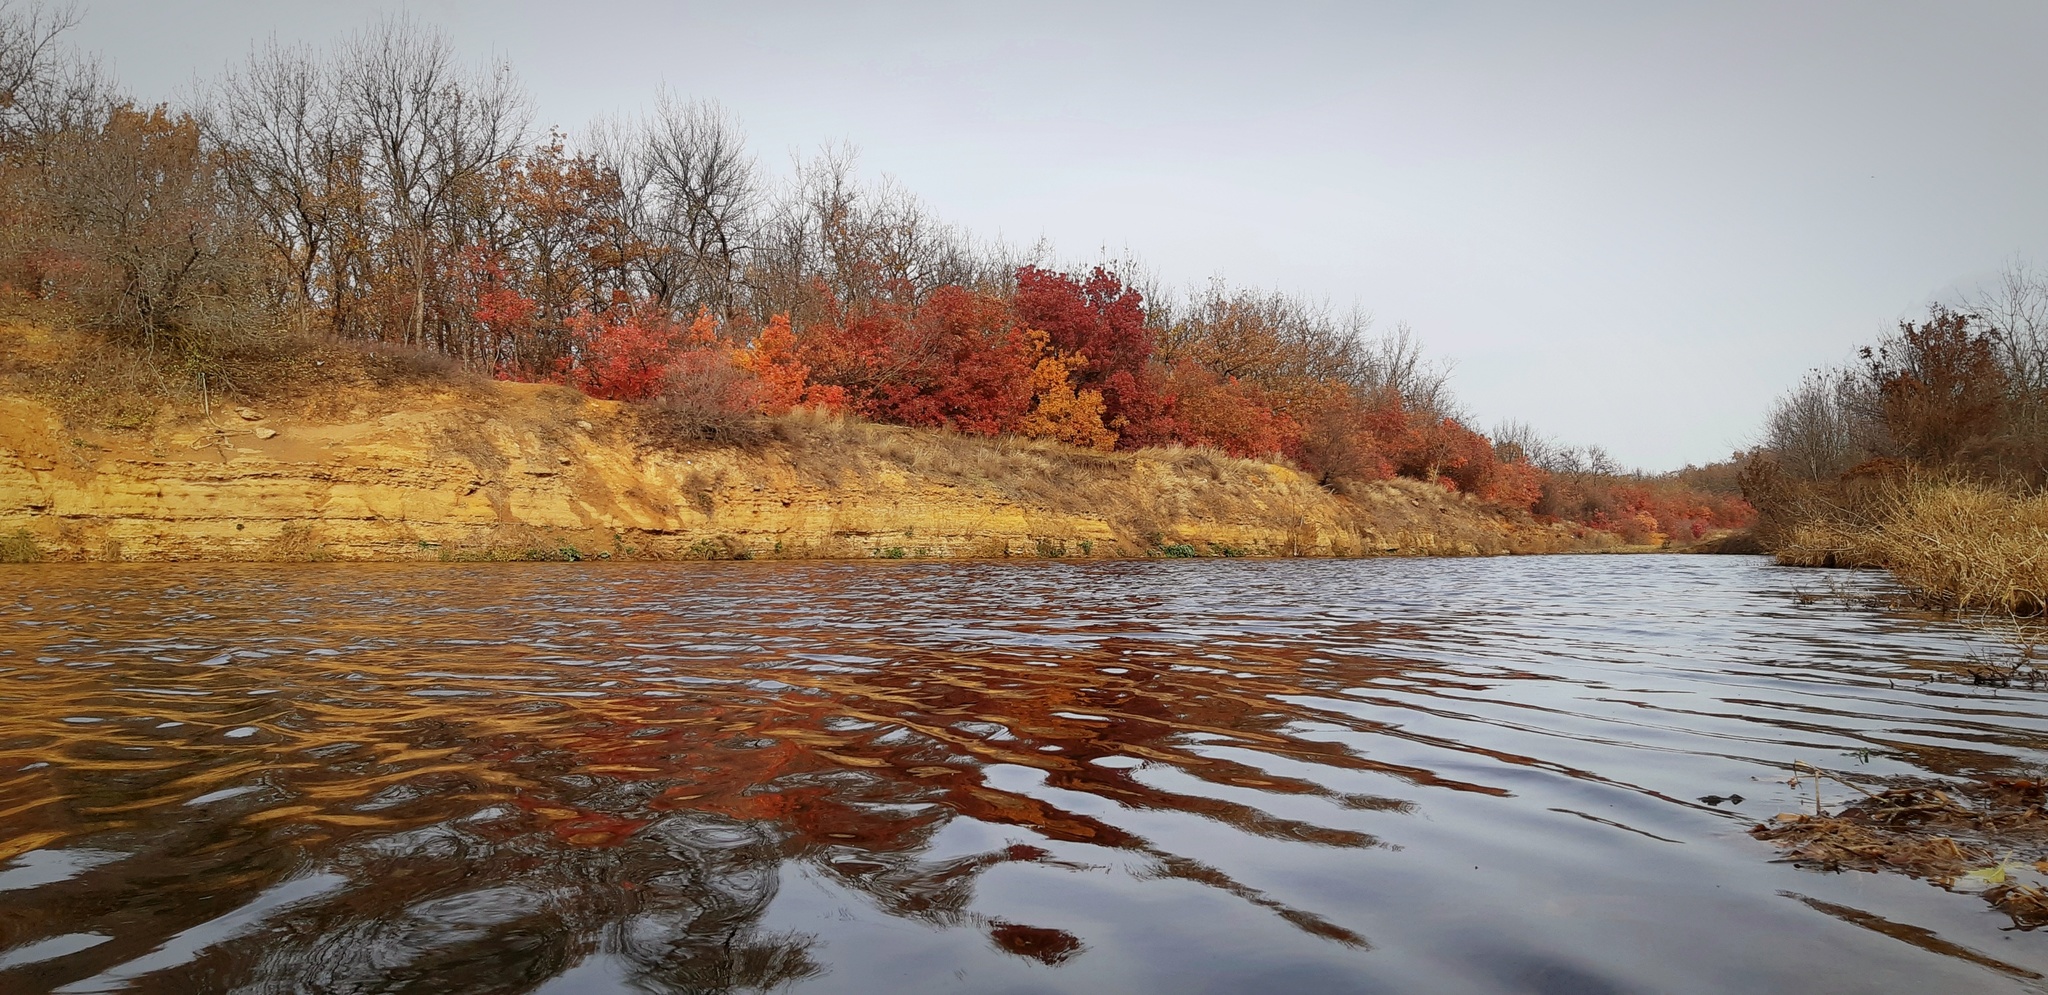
1628	224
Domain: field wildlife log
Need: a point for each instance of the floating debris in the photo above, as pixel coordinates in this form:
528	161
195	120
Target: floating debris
1962	836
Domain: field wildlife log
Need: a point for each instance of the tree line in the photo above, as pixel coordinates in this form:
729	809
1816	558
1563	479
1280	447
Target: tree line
383	191
1961	393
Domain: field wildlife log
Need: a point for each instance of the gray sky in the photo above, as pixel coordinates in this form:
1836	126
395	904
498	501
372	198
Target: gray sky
1628	224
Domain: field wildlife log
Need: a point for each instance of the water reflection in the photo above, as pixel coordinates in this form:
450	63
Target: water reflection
1139	776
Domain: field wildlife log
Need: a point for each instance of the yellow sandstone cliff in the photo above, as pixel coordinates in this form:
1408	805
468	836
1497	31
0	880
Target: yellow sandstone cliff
475	470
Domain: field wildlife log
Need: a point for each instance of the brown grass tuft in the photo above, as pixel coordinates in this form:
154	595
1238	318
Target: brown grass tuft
20	547
1960	544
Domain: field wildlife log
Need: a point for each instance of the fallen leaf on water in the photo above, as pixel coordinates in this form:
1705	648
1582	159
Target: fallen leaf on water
1993	875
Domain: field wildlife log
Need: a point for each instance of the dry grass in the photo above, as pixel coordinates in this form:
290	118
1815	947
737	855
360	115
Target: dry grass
88	382
1961	545
20	547
295	543
96	385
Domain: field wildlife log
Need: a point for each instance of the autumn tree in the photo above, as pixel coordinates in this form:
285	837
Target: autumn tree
1099	319
1940	387
135	212
1060	411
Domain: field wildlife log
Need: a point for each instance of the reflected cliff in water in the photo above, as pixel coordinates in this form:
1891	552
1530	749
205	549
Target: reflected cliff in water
745	777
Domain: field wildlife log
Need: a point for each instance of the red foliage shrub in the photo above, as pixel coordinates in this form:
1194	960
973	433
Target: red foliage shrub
1104	321
968	366
626	353
959	361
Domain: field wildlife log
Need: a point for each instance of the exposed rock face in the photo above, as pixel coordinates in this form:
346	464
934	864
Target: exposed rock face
528	471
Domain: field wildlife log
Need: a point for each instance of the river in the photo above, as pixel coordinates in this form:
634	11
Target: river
1502	775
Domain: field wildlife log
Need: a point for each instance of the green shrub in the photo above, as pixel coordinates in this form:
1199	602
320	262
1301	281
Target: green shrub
558	554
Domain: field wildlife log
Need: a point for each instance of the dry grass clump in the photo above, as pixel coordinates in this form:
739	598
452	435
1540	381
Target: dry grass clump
1978	836
20	547
295	543
1972	547
86	380
1960	544
1827	543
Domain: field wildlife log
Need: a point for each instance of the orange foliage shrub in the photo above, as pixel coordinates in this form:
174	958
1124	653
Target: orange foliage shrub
782	380
1235	416
1060	412
1340	438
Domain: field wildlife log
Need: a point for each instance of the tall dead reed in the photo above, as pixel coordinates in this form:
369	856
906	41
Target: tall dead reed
1960	544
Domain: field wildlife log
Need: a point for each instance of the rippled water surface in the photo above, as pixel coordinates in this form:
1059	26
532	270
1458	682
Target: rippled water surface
1301	776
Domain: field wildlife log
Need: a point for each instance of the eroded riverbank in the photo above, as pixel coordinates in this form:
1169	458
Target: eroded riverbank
486	470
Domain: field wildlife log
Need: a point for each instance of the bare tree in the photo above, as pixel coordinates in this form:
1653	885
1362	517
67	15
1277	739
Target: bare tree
1814	430
430	133
45	87
2015	311
1395	364
863	243
700	192
284	142
2016	306
1283	343
1519	442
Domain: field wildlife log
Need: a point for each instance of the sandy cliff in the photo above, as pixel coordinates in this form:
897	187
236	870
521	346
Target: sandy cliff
482	470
